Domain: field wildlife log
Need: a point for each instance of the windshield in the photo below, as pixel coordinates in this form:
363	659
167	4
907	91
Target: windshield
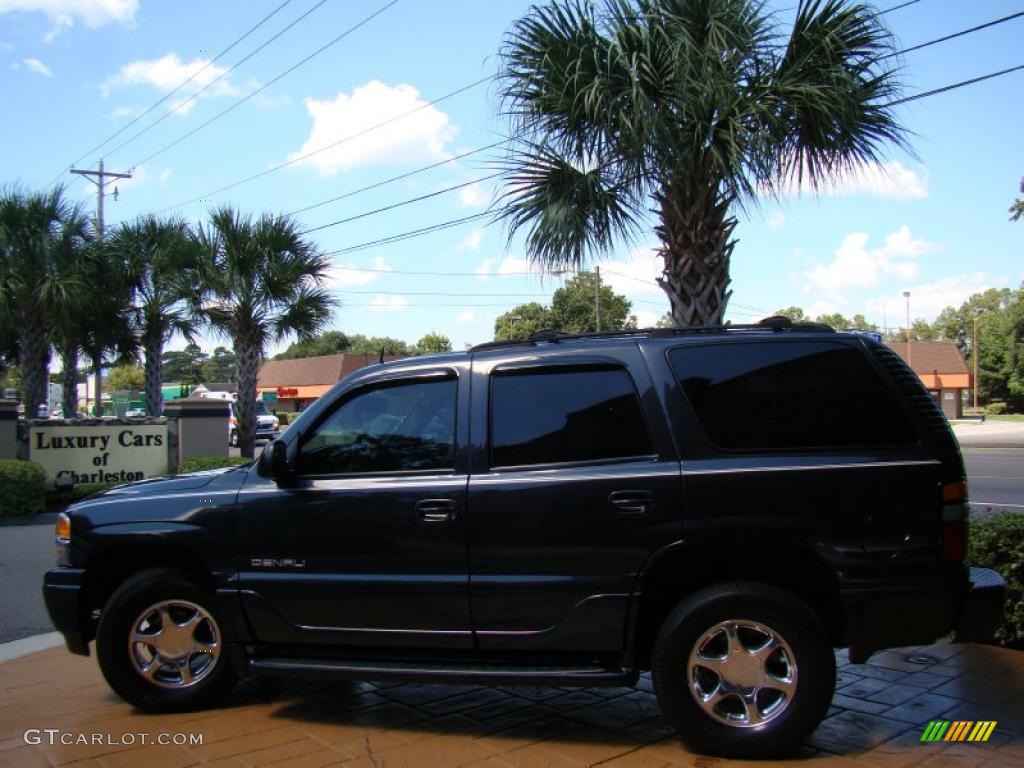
261	409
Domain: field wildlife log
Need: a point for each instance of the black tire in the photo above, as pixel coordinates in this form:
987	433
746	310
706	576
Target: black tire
118	656
725	728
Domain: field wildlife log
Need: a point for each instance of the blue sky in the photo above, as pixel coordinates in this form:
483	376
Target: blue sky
73	72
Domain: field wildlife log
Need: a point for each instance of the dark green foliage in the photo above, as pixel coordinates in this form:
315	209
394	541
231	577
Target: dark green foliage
998	543
327	343
200	463
996	408
22	487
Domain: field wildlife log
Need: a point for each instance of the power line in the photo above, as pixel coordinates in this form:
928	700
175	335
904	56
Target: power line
348	138
408	235
961	33
399	204
897	7
954	86
442	293
263	87
192	77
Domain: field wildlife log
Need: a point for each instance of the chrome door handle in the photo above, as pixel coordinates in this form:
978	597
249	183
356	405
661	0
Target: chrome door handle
631	503
436	510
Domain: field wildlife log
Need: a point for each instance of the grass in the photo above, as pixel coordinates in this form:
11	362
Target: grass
1007	417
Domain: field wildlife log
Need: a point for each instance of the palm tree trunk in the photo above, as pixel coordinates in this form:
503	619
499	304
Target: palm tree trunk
97	365
69	380
153	346
34	353
696	245
247	368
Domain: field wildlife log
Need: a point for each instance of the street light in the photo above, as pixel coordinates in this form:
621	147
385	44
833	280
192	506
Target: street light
512	324
906	295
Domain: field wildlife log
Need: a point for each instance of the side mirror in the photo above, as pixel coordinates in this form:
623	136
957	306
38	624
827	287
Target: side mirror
274	462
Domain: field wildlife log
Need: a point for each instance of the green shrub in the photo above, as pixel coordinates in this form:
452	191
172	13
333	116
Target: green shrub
82	490
998	543
22	487
287	417
996	408
199	463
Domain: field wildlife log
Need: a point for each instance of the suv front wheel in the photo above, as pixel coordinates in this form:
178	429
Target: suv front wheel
159	643
744	670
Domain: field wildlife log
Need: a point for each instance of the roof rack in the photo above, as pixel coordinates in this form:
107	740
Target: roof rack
777	323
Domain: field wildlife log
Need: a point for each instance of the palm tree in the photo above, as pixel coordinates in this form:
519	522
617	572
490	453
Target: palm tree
67	329
685	109
259	281
160	257
34	227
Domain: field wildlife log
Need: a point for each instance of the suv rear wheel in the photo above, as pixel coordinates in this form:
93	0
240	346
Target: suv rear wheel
159	643
744	670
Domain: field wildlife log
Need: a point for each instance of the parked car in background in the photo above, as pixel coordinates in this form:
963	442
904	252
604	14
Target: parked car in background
268	426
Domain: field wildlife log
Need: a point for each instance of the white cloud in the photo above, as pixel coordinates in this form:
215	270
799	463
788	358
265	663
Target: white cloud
513	265
483	270
420	137
888	180
927	300
348	275
646	318
775	220
35	65
122	112
636	274
474	196
165	175
64	13
466	317
857	266
382	303
167	73
472	241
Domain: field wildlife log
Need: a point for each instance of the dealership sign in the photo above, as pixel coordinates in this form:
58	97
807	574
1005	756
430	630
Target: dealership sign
114	453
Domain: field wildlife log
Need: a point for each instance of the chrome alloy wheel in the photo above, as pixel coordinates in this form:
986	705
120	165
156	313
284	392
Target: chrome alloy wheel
742	673
174	644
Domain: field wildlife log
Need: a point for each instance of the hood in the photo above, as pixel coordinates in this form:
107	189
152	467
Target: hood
224	477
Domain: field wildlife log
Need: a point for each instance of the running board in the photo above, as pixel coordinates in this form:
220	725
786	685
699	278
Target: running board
420	672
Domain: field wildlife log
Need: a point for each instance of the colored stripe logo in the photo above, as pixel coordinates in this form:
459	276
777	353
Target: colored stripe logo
959	730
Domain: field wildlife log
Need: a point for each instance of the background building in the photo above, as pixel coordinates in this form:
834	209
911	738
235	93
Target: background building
942	370
298	382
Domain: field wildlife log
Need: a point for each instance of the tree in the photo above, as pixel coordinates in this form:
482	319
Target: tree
922	330
377	345
327	343
161	258
220	366
688	109
126	377
574	306
835	320
1017	209
34	227
796	314
184	366
259	281
433	343
522	321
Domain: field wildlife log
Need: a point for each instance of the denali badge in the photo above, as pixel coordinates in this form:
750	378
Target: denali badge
277	562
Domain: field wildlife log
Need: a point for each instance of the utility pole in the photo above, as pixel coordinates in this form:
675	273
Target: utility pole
906	295
974	352
101	184
597	297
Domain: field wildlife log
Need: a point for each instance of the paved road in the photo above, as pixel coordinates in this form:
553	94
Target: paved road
26	551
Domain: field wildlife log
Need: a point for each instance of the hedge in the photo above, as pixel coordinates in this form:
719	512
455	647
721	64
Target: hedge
22	487
199	463
998	542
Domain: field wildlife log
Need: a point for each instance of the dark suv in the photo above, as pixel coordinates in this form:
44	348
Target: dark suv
723	507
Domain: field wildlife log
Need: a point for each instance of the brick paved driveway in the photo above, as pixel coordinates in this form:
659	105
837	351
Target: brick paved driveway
879	713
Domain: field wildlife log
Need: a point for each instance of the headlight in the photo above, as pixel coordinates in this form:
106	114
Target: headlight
62	539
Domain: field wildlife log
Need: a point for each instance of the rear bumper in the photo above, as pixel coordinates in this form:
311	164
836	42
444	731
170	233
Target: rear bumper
981	610
919	615
62	592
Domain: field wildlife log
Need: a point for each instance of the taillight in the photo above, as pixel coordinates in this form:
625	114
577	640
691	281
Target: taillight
955	511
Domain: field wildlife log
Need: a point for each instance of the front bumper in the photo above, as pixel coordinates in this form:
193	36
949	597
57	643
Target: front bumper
62	592
981	611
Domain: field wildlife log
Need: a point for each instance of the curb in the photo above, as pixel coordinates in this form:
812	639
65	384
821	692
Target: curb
27	645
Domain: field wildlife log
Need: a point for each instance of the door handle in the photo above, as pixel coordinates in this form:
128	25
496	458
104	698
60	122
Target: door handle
436	510
631	503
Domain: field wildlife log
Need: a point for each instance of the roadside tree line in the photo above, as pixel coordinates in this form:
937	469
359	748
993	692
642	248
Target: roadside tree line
67	291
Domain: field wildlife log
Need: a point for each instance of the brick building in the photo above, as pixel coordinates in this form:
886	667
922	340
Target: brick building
942	370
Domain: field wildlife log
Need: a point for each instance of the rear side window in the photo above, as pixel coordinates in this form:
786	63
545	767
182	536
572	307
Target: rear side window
565	416
789	396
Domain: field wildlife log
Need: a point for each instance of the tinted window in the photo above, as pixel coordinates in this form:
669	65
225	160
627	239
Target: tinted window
565	416
389	429
799	394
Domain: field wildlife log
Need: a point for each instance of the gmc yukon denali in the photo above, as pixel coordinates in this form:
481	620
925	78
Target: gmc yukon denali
722	507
